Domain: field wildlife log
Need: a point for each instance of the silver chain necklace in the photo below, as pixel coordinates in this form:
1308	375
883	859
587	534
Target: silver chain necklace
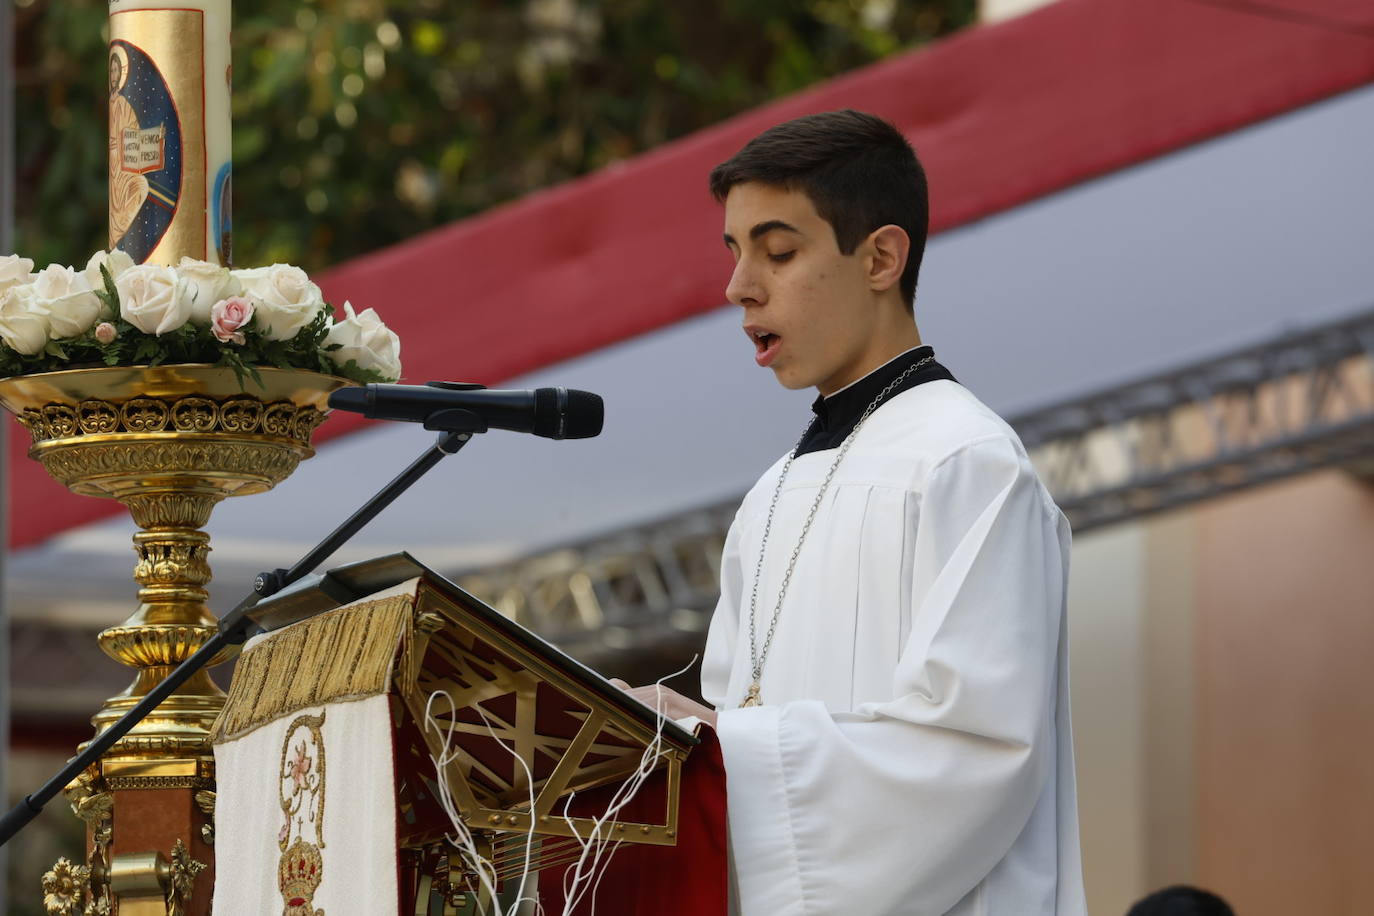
756	657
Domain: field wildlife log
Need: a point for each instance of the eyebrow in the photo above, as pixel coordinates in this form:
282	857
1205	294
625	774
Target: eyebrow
761	229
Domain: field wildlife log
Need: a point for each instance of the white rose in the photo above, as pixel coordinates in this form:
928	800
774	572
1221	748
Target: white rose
365	340
284	300
15	271
206	284
116	261
71	305
153	299
23	320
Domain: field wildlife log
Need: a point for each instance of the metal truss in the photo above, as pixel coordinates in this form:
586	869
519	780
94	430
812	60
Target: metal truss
653	584
1297	403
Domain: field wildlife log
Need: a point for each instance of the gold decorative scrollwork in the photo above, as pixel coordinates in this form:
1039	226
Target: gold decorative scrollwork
144	415
305	423
193	414
60	420
241	415
260	459
95	417
172	558
278	419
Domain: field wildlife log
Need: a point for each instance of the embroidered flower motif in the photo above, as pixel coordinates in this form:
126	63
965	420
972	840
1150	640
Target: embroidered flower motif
300	767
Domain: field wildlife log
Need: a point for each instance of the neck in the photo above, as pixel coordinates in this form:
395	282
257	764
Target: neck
890	342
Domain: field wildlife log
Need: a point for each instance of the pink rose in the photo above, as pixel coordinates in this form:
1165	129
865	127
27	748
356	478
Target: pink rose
228	316
106	332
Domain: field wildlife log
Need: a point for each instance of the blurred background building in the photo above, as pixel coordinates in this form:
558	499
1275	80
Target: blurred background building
1152	252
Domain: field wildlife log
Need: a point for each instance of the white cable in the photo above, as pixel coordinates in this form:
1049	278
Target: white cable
529	834
596	853
584	878
462	837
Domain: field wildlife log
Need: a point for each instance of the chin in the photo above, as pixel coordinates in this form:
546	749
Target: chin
792	380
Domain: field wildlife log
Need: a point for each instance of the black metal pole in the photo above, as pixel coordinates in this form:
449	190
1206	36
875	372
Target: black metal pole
233	629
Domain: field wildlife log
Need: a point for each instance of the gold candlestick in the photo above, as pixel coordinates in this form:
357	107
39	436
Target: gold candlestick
169	443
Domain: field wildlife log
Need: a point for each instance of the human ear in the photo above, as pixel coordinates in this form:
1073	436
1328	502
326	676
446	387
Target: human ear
888	248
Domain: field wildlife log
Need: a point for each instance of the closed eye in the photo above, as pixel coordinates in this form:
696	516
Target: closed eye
781	258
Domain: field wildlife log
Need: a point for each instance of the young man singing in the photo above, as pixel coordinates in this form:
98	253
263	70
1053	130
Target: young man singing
888	660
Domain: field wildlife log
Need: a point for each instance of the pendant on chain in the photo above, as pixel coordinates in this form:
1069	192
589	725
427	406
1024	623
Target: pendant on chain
752	698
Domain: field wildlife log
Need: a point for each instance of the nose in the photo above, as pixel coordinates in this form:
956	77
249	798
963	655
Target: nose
744	288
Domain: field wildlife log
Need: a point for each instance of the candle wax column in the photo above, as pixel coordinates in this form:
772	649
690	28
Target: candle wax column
169	154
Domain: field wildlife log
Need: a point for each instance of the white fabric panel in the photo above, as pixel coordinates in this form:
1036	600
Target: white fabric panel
358	851
914	754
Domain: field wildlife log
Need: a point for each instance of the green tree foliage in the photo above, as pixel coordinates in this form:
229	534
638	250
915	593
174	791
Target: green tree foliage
358	123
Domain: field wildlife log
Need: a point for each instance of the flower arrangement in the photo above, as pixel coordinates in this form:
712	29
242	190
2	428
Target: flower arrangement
117	313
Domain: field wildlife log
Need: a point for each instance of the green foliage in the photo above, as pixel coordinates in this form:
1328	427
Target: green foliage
359	123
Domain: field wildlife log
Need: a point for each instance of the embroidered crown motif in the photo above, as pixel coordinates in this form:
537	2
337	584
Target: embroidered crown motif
298	877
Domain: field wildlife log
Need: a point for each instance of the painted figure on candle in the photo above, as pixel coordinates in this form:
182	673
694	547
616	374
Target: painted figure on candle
145	152
127	189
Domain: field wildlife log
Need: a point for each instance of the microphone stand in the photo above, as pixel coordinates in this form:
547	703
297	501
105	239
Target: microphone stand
234	627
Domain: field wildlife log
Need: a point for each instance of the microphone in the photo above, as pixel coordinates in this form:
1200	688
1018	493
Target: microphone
554	413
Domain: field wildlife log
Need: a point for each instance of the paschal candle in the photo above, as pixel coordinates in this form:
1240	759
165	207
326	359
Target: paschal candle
169	80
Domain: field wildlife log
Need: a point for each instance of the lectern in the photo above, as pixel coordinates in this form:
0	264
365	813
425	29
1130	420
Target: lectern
392	744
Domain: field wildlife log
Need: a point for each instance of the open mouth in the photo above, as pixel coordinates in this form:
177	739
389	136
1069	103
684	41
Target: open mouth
765	346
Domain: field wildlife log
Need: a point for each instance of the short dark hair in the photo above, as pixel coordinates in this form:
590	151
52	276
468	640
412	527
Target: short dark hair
858	170
1181	900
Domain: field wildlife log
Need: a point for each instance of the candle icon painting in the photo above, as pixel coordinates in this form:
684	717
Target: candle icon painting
169	130
145	152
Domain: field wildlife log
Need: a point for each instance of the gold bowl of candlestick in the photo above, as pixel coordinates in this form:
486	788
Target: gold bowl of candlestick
168	442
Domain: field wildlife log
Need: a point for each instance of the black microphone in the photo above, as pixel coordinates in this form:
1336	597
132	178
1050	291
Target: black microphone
554	413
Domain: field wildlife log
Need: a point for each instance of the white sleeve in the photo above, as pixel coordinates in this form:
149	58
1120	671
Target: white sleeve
719	655
907	805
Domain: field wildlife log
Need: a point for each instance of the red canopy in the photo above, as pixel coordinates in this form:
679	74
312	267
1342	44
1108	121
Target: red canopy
999	114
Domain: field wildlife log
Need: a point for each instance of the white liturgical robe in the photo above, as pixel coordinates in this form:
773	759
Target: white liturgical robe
912	754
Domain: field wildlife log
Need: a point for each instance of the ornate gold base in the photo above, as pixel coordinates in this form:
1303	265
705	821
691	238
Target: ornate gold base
169	443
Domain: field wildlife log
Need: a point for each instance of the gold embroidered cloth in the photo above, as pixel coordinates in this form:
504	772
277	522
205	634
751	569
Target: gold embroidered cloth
305	818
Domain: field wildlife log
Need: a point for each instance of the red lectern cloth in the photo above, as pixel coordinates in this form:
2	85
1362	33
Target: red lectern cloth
689	879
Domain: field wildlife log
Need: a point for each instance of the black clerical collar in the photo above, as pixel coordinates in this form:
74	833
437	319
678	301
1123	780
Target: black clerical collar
837	415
